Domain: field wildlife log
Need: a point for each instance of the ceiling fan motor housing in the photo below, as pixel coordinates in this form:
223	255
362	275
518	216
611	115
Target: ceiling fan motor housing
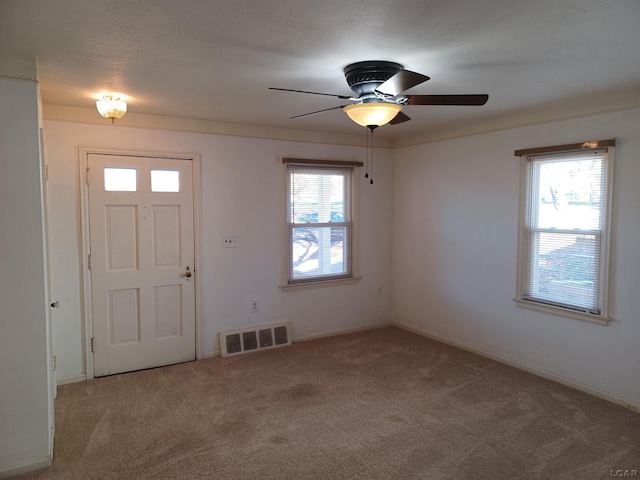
364	77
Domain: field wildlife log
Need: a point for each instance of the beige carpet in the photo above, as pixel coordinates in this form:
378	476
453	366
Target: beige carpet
382	404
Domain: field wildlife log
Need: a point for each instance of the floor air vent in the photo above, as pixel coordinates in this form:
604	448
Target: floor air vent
234	342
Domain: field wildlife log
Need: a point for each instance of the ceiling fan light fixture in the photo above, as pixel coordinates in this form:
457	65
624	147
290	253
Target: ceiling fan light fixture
372	114
111	107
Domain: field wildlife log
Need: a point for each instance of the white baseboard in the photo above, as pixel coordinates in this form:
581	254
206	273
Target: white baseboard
213	353
71	379
340	331
10	471
596	392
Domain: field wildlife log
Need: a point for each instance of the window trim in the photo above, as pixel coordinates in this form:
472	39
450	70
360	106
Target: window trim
286	285
603	317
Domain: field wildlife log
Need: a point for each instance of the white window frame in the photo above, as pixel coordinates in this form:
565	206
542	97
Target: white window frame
601	316
287	282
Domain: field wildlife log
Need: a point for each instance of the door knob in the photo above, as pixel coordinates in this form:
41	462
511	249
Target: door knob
187	273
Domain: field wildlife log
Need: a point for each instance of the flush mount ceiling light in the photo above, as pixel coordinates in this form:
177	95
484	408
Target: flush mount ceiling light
111	107
372	114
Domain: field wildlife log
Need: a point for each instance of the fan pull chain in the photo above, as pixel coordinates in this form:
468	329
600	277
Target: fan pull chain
366	158
370	150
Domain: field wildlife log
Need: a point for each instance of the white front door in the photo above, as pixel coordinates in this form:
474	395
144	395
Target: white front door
141	262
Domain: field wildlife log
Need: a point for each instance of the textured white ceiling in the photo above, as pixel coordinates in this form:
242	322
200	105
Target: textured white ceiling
215	60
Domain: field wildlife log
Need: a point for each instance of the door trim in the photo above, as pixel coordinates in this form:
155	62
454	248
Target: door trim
86	307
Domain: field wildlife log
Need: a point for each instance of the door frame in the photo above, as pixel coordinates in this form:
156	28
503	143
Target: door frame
86	307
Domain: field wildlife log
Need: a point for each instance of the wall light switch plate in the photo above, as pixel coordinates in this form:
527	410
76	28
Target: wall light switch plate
230	241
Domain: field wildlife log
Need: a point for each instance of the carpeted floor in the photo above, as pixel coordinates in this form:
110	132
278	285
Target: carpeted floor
381	404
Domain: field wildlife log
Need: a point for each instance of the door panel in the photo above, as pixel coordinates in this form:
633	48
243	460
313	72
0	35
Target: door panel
142	244
168	310
124	316
166	235
121	237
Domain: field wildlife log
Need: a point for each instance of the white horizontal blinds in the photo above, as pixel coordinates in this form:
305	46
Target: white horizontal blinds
318	222
565	208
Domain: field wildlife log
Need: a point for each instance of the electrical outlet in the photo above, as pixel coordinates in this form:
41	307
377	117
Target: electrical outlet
380	290
230	241
253	306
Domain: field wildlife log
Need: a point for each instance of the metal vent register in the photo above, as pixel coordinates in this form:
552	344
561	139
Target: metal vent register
235	342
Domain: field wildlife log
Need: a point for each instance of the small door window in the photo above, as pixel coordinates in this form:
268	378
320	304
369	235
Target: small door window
120	179
165	181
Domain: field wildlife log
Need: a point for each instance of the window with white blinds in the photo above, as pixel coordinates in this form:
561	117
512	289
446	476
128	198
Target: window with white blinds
564	230
319	223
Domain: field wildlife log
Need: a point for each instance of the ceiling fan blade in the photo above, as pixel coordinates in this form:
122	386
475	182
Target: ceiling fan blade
317	111
447	99
401	81
401	117
344	97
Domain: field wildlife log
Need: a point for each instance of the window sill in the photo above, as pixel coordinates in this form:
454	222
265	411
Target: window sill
564	312
320	284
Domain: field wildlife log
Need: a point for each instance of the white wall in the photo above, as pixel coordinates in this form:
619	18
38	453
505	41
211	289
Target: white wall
242	194
454	255
25	436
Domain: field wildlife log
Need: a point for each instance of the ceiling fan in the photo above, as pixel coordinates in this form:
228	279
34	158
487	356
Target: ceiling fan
378	98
